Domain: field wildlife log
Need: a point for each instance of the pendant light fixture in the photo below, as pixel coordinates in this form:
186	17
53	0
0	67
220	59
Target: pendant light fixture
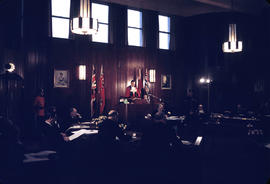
84	24
232	45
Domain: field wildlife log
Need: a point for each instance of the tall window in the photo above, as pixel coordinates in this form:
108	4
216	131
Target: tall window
60	18
164	32
134	28
101	12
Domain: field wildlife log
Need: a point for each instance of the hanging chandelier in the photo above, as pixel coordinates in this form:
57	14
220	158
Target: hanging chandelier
232	45
84	24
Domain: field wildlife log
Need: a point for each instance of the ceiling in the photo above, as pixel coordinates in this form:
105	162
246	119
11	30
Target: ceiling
195	7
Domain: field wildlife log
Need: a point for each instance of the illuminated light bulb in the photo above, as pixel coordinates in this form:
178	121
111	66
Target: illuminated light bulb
202	80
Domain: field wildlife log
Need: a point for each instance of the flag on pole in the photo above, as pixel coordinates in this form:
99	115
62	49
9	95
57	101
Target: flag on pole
101	91
93	91
146	79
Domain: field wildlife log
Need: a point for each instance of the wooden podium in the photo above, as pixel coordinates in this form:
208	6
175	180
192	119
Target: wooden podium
134	114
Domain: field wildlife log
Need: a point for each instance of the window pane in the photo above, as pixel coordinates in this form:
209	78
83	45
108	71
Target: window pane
164	23
60	27
102	35
164	41
134	37
134	18
100	12
61	8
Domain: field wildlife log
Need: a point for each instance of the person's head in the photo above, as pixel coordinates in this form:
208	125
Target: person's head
113	115
145	97
73	112
146	88
61	74
161	107
48	116
132	83
52	110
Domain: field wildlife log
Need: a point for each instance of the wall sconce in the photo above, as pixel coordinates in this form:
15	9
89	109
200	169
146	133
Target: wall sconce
10	67
152	74
82	72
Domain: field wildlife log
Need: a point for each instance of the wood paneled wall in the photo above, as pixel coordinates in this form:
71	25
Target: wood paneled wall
121	65
197	51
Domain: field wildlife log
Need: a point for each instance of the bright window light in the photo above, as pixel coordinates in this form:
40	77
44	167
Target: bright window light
164	32
164	41
82	72
134	28
61	8
102	34
164	23
101	12
134	18
60	28
135	37
152	73
60	18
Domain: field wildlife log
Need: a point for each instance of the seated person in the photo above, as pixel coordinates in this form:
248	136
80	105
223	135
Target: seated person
74	116
144	94
160	114
132	91
110	129
51	130
52	110
200	109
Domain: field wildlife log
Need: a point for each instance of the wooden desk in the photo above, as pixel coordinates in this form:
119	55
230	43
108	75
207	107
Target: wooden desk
134	114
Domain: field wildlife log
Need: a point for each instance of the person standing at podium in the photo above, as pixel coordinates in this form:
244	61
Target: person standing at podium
132	91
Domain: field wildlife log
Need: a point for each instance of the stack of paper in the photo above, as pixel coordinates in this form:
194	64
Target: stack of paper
78	133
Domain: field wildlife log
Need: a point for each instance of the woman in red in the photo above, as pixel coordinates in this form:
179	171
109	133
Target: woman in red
39	106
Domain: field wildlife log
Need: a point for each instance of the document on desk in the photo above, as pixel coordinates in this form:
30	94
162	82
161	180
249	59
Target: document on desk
39	156
78	133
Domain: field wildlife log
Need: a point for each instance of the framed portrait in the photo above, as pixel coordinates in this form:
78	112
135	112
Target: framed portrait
61	79
166	82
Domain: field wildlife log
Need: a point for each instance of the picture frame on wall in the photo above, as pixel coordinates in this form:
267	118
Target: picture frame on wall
61	79
166	81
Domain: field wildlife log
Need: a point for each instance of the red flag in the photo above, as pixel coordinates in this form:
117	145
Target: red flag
101	91
93	91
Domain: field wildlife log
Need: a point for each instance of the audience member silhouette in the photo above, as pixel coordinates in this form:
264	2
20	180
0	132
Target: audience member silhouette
54	138
11	154
39	109
74	117
109	130
160	114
